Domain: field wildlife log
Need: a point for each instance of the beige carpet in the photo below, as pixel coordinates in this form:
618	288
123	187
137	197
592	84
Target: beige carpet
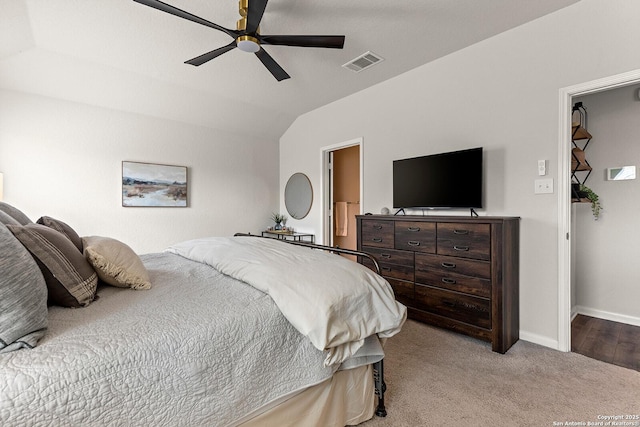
438	378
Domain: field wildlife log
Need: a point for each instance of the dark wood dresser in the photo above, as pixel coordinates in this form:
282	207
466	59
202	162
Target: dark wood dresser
459	273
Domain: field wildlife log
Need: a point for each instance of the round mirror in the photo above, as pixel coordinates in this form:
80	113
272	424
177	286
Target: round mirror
298	195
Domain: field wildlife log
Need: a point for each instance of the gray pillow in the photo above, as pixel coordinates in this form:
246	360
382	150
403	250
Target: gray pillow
63	228
70	279
23	296
15	213
7	219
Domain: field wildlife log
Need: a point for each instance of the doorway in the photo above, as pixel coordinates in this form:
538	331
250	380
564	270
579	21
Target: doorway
565	235
342	195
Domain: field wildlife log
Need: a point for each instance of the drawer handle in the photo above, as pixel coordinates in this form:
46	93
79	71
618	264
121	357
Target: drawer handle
387	269
413	229
377	227
448	304
448	281
461	248
413	243
448	265
385	256
460	231
376	239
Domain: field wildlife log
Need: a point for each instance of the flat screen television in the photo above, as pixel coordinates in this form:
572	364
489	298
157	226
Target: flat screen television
439	181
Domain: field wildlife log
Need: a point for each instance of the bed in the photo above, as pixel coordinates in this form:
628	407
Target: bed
214	331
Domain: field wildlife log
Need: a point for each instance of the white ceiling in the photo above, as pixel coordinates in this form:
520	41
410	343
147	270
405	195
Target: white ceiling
123	55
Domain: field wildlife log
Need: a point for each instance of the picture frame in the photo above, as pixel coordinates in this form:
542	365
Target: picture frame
154	185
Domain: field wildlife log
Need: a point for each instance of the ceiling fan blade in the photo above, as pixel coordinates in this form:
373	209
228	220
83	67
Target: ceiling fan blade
254	14
272	65
334	42
199	60
157	4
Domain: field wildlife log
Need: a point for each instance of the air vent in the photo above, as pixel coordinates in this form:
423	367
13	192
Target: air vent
363	61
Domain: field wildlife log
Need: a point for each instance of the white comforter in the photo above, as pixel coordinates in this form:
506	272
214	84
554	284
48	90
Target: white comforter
333	301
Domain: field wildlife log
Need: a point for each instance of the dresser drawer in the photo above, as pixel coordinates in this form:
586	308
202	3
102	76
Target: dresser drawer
455	282
464	308
415	236
390	256
402	272
464	240
377	233
453	265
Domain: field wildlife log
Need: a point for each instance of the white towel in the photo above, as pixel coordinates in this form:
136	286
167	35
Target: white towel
341	218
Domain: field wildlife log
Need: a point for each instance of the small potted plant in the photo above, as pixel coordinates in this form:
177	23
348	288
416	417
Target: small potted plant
278	219
593	198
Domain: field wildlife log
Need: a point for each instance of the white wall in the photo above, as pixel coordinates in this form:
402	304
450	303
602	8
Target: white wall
606	276
502	94
63	159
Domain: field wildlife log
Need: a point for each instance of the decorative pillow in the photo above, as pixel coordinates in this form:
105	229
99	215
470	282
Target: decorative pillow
7	219
70	279
62	228
15	213
116	263
23	296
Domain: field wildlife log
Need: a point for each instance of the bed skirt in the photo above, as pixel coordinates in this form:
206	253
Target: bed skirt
347	398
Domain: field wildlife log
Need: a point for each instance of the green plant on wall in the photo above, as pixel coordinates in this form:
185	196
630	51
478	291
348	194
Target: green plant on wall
593	198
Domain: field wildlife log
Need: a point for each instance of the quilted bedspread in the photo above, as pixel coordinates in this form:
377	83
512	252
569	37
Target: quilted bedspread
199	348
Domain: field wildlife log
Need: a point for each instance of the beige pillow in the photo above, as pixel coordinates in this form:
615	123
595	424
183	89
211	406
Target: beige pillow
116	263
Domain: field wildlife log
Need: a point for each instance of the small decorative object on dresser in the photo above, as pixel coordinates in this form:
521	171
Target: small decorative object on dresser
458	273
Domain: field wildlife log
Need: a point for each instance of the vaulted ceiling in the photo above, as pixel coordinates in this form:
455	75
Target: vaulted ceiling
123	55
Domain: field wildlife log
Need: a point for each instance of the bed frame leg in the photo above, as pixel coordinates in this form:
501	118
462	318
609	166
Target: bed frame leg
380	387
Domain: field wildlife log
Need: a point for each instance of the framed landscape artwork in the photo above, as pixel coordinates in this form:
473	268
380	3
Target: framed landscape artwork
153	185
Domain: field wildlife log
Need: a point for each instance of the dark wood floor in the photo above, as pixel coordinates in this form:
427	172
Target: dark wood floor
611	342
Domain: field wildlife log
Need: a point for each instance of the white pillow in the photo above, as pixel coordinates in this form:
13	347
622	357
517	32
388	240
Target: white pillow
116	263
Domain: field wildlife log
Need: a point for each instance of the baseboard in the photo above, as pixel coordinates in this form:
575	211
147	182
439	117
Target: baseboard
606	315
539	339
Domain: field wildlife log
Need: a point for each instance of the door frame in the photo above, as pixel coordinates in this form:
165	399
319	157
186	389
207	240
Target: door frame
564	200
325	187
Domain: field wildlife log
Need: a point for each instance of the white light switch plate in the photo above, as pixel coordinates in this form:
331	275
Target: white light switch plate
542	167
543	186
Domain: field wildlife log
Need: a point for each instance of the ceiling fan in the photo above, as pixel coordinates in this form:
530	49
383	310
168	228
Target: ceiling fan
247	37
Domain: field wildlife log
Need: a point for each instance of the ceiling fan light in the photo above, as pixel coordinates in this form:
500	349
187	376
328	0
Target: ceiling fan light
248	44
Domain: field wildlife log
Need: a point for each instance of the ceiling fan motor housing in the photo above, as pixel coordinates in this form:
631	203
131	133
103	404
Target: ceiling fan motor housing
248	44
245	42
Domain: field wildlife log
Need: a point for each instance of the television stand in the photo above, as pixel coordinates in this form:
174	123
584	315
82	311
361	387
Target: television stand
474	214
400	210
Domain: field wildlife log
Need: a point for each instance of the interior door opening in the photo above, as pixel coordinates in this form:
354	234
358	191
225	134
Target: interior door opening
343	193
565	236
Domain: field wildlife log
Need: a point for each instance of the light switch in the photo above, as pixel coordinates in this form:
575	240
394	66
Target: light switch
542	167
543	186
